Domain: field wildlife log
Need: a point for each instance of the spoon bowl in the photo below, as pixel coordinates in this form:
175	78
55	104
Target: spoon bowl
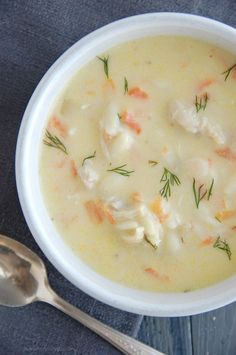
22	274
23	280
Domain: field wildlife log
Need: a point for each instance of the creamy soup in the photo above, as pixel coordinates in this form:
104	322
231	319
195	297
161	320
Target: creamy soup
138	164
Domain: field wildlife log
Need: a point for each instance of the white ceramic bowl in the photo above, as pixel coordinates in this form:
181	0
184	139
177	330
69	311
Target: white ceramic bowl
28	145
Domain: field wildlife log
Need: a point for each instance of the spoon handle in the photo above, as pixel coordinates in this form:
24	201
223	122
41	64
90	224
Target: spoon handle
123	342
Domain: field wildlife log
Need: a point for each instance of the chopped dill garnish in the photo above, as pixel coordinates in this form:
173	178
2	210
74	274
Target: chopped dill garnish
210	189
148	241
218	219
54	142
89	157
120	170
187	290
153	162
223	245
126	86
169	179
201	102
228	71
198	195
119	116
105	65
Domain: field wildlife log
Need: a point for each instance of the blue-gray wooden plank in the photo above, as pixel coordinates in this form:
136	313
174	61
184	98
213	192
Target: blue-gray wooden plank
172	336
211	333
214	333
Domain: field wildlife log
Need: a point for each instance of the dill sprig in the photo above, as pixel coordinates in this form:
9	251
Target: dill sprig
201	102
126	86
223	245
89	157
120	170
153	162
169	179
105	65
199	194
148	241
210	189
228	71
54	142
218	219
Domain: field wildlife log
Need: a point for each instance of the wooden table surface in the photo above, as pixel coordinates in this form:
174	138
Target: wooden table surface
211	333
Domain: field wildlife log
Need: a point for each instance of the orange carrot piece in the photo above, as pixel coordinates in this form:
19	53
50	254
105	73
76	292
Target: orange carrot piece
74	171
234	74
109	85
127	118
157	209
109	216
136	197
155	273
94	211
152	271
226	153
234	228
99	212
223	215
138	93
207	241
164	150
56	123
61	163
205	83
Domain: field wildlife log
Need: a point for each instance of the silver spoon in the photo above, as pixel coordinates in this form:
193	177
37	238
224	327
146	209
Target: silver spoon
23	280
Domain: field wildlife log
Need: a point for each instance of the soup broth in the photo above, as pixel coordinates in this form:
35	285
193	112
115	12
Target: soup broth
138	164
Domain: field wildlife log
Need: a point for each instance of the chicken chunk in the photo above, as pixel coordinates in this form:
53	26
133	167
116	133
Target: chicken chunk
199	168
88	174
191	121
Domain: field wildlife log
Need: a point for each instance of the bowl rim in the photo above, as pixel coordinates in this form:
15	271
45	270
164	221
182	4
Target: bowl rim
132	300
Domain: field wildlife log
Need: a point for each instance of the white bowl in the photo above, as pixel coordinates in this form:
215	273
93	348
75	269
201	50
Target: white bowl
27	159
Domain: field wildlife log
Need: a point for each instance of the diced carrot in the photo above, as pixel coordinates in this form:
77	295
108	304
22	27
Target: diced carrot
56	123
205	83
234	74
226	153
207	241
138	93
136	197
158	210
109	85
164	150
234	228
61	163
210	162
99	212
95	211
223	215
74	171
127	118
156	274
184	65
109	216
152	271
